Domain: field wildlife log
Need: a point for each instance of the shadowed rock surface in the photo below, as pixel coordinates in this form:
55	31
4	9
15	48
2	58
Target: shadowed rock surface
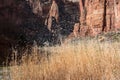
23	21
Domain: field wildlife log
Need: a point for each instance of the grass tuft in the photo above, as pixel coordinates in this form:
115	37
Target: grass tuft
87	60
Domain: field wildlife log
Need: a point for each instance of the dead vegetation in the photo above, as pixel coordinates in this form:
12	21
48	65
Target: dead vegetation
86	60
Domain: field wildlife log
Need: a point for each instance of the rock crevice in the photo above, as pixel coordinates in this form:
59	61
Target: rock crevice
100	16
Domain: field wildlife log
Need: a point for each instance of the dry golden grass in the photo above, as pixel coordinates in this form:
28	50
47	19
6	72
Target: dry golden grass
87	60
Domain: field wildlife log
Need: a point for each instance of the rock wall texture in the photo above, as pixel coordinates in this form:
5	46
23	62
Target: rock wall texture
36	6
25	21
20	23
99	16
53	12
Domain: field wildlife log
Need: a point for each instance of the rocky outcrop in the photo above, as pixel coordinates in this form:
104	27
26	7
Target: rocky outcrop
99	15
23	21
76	29
117	13
54	12
36	6
20	24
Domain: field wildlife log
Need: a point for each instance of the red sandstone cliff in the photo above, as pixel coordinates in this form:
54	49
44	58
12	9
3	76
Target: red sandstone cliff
99	16
27	17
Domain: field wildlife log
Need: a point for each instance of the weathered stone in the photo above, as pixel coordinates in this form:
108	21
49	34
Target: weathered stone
117	13
18	24
82	13
100	15
54	12
27	17
36	7
76	29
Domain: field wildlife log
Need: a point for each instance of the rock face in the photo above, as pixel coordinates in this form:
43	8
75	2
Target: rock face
36	7
23	21
54	12
99	15
20	23
10	17
117	13
76	29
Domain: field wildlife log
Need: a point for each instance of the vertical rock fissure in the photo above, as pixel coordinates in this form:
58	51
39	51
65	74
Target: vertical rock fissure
104	17
111	22
82	12
115	10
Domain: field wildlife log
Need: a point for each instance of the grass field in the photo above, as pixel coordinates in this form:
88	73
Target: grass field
82	60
